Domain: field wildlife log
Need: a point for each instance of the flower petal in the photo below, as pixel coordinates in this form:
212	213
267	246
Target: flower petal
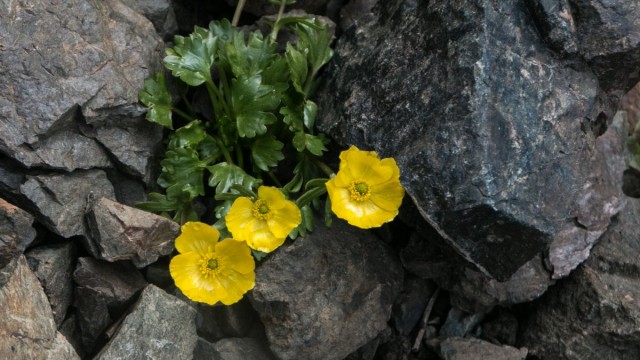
261	237
198	237
274	197
285	219
365	165
240	213
364	214
235	255
185	271
236	284
388	196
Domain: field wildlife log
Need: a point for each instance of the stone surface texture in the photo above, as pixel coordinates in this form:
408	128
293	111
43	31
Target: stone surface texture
594	313
27	328
121	232
495	127
159	326
53	266
16	232
326	294
457	348
61	68
159	12
232	349
103	292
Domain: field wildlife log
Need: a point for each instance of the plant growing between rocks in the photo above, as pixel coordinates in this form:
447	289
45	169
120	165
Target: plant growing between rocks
261	113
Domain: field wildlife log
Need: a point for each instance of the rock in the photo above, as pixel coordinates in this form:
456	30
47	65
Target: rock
459	323
120	232
457	348
53	266
103	292
232	349
410	304
27	328
60	200
338	273
494	127
159	326
91	62
263	7
607	33
355	12
595	310
217	322
69	329
133	145
159	12
554	20
16	232
500	328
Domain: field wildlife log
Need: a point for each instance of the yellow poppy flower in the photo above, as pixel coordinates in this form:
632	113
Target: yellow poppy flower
366	191
209	271
265	223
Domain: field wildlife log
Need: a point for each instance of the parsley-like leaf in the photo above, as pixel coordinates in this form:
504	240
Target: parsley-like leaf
252	102
224	175
192	57
156	97
266	151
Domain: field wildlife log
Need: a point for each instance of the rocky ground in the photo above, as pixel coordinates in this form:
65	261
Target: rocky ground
516	240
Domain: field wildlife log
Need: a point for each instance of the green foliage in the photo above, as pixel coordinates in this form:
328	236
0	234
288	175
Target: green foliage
262	114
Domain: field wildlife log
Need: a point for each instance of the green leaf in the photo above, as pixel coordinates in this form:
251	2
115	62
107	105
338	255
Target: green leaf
317	40
208	148
310	113
266	152
224	175
292	118
250	58
306	225
182	173
159	203
223	30
192	57
252	102
156	97
313	143
298	66
188	136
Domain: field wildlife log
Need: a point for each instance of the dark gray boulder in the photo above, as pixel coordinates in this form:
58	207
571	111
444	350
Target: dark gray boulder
53	266
232	349
490	127
103	292
27	329
594	313
326	294
159	326
120	232
88	66
159	12
458	348
16	232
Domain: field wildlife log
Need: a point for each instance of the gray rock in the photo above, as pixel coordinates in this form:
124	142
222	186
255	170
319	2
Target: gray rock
159	326
500	328
70	330
594	312
327	294
95	57
103	292
556	24
53	265
16	232
120	232
355	12
60	200
133	145
263	7
232	349
27	329
159	12
217	322
494	127
410	304
459	323
457	348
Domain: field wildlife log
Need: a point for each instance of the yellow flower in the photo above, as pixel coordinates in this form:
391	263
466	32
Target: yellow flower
366	191
265	223
209	271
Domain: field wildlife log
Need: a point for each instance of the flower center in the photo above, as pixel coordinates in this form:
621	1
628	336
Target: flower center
209	265
261	210
359	191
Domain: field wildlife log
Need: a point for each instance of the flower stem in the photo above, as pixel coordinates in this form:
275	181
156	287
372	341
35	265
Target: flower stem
236	14
310	195
274	179
223	150
325	168
182	114
276	25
